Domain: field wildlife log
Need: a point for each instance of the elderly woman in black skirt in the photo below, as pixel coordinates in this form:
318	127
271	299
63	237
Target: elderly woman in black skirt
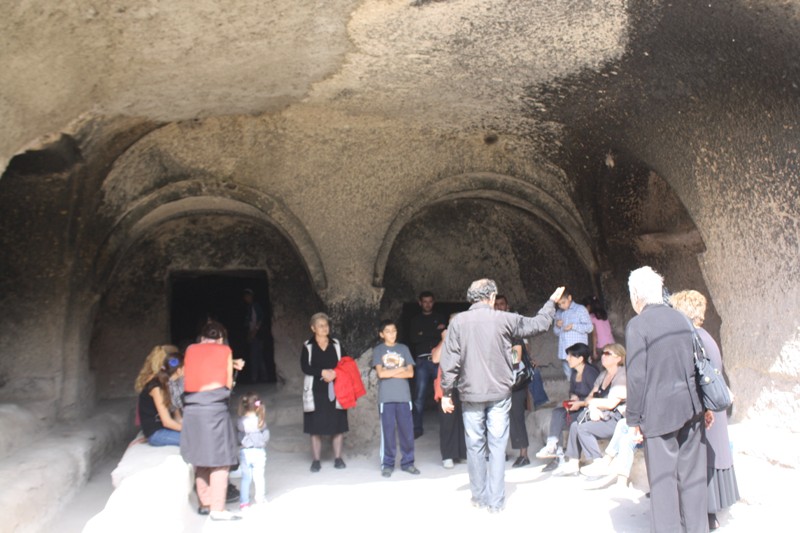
322	414
723	491
208	439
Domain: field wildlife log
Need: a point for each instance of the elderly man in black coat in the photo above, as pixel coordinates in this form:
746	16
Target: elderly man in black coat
665	408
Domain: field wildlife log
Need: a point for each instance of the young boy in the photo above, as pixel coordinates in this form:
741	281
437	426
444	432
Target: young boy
395	366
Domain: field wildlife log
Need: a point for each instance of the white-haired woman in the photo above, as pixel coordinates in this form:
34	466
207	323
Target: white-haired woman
322	414
723	490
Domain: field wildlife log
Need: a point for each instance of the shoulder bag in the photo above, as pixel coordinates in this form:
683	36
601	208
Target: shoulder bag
713	389
523	373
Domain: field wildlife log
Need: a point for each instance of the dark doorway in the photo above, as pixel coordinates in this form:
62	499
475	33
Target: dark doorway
412	309
197	296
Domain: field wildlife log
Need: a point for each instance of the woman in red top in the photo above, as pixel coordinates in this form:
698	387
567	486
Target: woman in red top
208	438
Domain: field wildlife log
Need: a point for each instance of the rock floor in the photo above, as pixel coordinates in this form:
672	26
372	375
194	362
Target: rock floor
358	499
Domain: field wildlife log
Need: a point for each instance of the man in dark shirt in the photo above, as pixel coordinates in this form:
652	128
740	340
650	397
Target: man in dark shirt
664	407
425	332
253	321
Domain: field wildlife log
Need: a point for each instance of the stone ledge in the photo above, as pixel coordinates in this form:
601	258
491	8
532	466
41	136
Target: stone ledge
18	427
155	479
56	465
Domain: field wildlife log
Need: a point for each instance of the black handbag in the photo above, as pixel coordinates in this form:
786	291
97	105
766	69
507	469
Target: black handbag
523	373
713	389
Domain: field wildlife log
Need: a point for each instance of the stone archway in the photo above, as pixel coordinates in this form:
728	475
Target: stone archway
457	240
189	197
133	313
501	189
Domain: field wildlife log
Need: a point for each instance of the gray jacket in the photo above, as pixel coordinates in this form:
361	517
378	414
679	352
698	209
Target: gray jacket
477	350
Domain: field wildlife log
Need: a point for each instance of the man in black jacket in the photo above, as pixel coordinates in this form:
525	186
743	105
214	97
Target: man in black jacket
425	332
664	407
477	357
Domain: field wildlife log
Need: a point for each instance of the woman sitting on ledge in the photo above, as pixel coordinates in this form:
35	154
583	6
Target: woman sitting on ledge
581	382
160	426
604	407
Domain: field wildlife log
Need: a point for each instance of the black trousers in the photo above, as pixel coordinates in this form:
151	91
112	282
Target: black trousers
452	441
676	470
519	433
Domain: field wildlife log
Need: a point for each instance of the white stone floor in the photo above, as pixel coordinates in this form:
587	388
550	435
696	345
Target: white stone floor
358	499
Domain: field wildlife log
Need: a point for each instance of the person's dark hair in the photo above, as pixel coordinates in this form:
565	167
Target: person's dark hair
501	297
386	322
566	292
213	330
581	350
598	309
426	294
251	403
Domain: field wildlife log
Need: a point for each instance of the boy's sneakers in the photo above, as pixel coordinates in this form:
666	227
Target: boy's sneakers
411	469
386	471
448	463
315	466
338	463
549	451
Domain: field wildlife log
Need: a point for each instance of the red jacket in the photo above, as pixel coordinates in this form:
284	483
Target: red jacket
348	385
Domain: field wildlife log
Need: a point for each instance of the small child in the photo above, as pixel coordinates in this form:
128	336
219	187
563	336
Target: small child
394	365
253	435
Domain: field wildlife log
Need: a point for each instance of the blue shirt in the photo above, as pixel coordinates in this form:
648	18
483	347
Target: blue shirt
578	316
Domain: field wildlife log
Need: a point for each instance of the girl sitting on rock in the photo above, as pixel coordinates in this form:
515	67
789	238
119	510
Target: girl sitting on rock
160	426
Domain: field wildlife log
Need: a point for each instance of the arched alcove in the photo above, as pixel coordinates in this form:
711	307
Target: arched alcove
560	215
452	242
199	196
134	311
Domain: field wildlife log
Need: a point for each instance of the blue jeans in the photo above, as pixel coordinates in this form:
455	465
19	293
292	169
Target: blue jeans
622	448
252	462
486	426
165	437
424	373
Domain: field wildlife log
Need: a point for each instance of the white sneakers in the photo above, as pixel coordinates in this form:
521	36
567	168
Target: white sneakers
567	468
598	467
448	463
224	516
549	451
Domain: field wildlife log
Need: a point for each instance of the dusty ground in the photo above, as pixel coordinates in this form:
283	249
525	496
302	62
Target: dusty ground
358	499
